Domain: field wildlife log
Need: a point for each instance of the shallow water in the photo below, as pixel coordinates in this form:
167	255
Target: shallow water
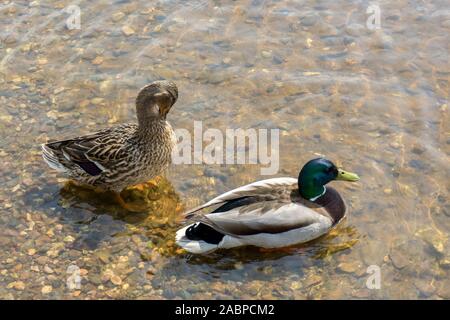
374	101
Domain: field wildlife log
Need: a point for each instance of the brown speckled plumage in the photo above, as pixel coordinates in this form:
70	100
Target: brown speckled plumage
124	155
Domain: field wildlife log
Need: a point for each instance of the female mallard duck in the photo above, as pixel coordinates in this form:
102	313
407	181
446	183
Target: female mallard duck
123	155
271	213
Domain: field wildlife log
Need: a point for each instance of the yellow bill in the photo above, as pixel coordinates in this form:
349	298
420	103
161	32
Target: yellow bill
346	176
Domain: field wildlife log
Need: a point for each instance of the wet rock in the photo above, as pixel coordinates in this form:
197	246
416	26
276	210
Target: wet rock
382	41
69	239
136	239
418	150
98	60
83	272
361	294
76	293
238	265
308	43
73	254
169	293
10	39
444	290
435	244
445	264
266	54
312	280
332	56
184	294
18	285
267	270
46	289
215	78
295	285
438	246
226	60
127	30
97	101
349	267
425	287
116	280
277	59
348	40
118	16
446	24
42	260
399	260
95	278
48	270
42	61
309	20
103	255
151	271
417	164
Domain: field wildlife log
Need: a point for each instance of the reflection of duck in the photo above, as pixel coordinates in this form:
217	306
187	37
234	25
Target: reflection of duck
161	200
124	155
338	239
270	213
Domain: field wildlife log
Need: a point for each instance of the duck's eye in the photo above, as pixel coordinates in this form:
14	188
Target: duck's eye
332	171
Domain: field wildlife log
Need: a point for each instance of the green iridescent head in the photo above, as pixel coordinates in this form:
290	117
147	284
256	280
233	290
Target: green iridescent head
316	173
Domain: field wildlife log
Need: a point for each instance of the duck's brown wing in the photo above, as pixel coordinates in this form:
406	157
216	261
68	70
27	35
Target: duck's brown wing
93	153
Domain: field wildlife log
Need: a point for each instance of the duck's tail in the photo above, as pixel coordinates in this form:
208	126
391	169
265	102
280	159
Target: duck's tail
51	159
195	244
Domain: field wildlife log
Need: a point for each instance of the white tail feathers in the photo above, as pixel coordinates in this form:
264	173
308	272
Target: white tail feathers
52	160
193	246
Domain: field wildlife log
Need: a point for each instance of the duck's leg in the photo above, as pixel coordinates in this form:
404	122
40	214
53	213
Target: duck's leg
79	188
69	184
150	184
153	183
127	206
75	184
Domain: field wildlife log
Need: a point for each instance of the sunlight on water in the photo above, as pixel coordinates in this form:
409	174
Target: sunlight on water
374	101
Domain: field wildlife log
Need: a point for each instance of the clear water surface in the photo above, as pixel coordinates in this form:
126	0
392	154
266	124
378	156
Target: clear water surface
374	101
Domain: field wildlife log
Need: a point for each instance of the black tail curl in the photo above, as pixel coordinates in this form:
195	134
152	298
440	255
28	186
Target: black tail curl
203	232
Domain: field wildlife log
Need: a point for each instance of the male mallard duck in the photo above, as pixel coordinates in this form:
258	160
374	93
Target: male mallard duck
271	213
123	155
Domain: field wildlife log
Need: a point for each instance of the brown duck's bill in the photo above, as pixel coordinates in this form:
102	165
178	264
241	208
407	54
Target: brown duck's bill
347	176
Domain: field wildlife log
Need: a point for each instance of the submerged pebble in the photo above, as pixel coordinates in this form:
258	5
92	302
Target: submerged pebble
349	267
46	289
127	30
